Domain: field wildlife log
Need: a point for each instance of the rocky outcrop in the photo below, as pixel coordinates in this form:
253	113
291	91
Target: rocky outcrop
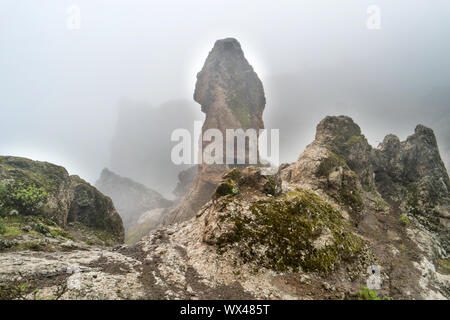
140	207
398	192
34	188
337	164
320	228
232	97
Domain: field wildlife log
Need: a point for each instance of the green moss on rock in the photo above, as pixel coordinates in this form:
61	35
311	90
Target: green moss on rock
327	165
41	174
226	187
95	210
299	231
43	189
241	110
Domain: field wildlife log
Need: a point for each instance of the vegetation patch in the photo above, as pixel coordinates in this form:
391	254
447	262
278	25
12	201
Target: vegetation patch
37	228
380	205
352	199
2	228
345	138
241	110
412	199
14	291
226	187
444	265
348	194
27	199
272	186
404	219
368	294
329	164
41	174
287	234
26	290
234	174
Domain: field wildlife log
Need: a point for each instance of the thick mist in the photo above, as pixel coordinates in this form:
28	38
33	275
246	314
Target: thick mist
109	93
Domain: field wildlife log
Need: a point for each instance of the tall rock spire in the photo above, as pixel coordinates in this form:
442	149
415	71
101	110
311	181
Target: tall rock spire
232	97
228	89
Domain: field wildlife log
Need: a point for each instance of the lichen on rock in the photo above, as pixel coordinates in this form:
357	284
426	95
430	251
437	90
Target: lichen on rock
295	231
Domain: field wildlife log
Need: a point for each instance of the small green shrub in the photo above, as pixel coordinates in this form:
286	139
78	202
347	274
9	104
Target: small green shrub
368	294
380	206
54	233
3	199
27	199
2	228
328	164
34	246
226	187
444	265
21	198
404	219
40	228
13	290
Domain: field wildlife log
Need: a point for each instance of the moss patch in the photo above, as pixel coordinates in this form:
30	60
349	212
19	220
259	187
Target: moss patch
281	234
352	199
404	220
41	174
241	110
444	265
345	137
136	232
225	188
329	164
37	228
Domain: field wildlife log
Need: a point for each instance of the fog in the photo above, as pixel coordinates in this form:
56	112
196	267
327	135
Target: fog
107	94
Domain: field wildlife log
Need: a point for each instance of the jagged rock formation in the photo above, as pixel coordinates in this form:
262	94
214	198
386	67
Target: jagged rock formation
337	164
373	187
232	97
140	207
317	229
41	189
411	175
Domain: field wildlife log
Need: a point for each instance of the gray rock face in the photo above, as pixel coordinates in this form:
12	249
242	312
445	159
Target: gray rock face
228	90
412	174
64	199
232	97
343	137
132	200
94	210
397	192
